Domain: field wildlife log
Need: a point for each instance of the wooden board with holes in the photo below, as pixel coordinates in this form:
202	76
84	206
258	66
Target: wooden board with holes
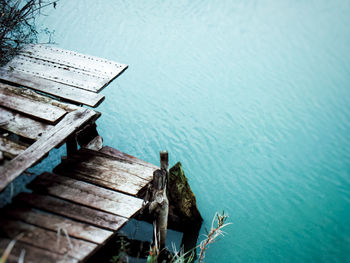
58	73
43	62
95	65
66	92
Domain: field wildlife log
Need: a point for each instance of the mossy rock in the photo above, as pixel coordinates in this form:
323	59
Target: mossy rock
181	198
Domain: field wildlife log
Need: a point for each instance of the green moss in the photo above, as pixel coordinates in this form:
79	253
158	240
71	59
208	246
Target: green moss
181	196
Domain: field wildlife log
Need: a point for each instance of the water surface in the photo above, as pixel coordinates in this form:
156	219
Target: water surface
253	97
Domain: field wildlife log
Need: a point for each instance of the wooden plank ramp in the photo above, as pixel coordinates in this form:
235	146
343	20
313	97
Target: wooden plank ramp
77	209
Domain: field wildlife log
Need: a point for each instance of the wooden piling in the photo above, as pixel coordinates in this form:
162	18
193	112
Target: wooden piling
160	205
72	146
164	160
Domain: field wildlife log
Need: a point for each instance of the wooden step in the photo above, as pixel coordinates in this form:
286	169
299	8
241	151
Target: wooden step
115	153
104	172
33	254
71	210
22	125
54	222
46	239
87	194
11	97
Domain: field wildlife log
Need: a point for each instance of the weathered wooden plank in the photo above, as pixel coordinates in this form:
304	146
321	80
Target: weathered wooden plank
10	148
87	194
33	254
112	152
22	125
97	161
68	125
54	222
50	87
71	210
56	72
32	95
10	97
87	168
99	174
87	63
46	239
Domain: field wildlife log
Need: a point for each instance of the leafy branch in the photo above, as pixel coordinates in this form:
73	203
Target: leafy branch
17	25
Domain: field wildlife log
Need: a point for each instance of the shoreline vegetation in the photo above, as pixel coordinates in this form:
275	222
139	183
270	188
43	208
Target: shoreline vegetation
18	27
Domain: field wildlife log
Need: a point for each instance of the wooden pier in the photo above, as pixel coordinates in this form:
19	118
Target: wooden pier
73	211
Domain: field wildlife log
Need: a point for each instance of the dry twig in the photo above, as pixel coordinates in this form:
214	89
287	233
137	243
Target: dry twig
213	234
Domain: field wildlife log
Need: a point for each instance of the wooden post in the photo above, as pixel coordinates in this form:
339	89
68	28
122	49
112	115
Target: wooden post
72	146
164	160
87	133
160	205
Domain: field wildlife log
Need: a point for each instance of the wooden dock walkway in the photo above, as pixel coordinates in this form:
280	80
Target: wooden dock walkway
73	211
89	197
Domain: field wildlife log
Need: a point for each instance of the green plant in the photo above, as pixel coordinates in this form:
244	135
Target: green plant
122	255
17	25
181	257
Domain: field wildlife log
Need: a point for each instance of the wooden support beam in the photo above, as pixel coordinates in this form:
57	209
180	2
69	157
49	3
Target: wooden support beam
71	144
70	123
86	134
159	205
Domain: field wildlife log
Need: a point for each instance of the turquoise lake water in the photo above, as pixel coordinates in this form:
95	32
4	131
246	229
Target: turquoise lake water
253	97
